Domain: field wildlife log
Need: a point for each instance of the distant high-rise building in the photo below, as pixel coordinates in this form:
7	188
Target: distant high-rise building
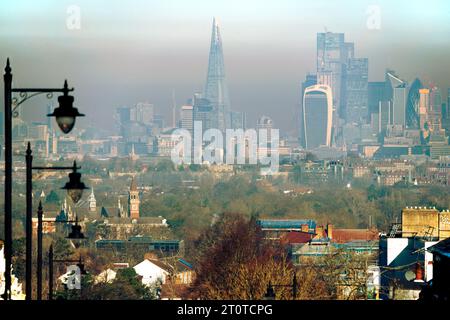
435	111
204	112
311	79
216	90
187	118
123	117
158	121
424	106
448	103
375	94
137	127
399	105
384	116
265	122
391	81
412	105
317	116
355	94
332	53
142	112
238	120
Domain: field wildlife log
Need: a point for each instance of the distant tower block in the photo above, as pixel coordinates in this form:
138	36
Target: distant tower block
216	89
92	201
133	200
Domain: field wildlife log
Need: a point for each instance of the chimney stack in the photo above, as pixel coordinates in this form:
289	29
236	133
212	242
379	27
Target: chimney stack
319	232
419	273
330	231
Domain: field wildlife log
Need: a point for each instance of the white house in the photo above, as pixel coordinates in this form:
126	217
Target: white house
106	276
151	271
16	286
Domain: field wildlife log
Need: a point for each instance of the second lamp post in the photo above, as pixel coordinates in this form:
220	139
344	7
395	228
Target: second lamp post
74	189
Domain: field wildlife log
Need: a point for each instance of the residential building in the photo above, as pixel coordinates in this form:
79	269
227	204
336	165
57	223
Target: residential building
406	262
439	288
16	286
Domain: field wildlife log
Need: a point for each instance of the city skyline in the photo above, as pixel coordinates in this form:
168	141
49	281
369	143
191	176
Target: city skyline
224	150
265	83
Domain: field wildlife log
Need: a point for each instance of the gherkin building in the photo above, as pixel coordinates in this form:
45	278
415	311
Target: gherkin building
412	106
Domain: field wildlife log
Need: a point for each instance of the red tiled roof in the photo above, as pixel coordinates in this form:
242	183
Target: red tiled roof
346	235
297	237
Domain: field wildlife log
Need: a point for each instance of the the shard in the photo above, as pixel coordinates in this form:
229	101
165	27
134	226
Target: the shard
216	90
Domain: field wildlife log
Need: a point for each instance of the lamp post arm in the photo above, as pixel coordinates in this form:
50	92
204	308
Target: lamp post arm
23	94
42	90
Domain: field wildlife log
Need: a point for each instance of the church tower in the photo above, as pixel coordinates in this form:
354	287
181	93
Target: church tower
92	202
133	200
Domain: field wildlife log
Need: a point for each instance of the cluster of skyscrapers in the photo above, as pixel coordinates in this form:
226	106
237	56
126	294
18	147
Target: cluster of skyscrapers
386	113
145	131
340	111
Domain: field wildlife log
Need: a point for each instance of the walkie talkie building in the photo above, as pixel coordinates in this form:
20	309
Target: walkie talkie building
317	116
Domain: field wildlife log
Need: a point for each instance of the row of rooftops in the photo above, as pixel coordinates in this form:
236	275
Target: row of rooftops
286	224
307	230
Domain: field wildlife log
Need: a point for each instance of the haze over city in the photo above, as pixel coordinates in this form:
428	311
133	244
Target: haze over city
147	50
224	150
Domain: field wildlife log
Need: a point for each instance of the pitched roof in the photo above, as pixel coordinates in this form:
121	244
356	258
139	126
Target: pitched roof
104	213
442	248
347	235
297	237
161	264
181	265
286	223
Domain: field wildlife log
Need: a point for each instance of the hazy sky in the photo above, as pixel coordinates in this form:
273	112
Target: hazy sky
131	51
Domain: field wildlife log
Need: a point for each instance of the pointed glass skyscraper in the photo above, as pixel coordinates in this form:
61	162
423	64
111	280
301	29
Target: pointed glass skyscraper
216	90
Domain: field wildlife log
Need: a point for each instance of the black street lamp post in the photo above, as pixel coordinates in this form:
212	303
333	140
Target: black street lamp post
75	234
270	293
65	117
39	253
74	188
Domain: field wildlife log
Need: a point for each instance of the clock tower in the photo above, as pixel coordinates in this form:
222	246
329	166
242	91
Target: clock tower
133	200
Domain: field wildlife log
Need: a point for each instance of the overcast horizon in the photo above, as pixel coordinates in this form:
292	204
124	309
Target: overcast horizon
145	51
